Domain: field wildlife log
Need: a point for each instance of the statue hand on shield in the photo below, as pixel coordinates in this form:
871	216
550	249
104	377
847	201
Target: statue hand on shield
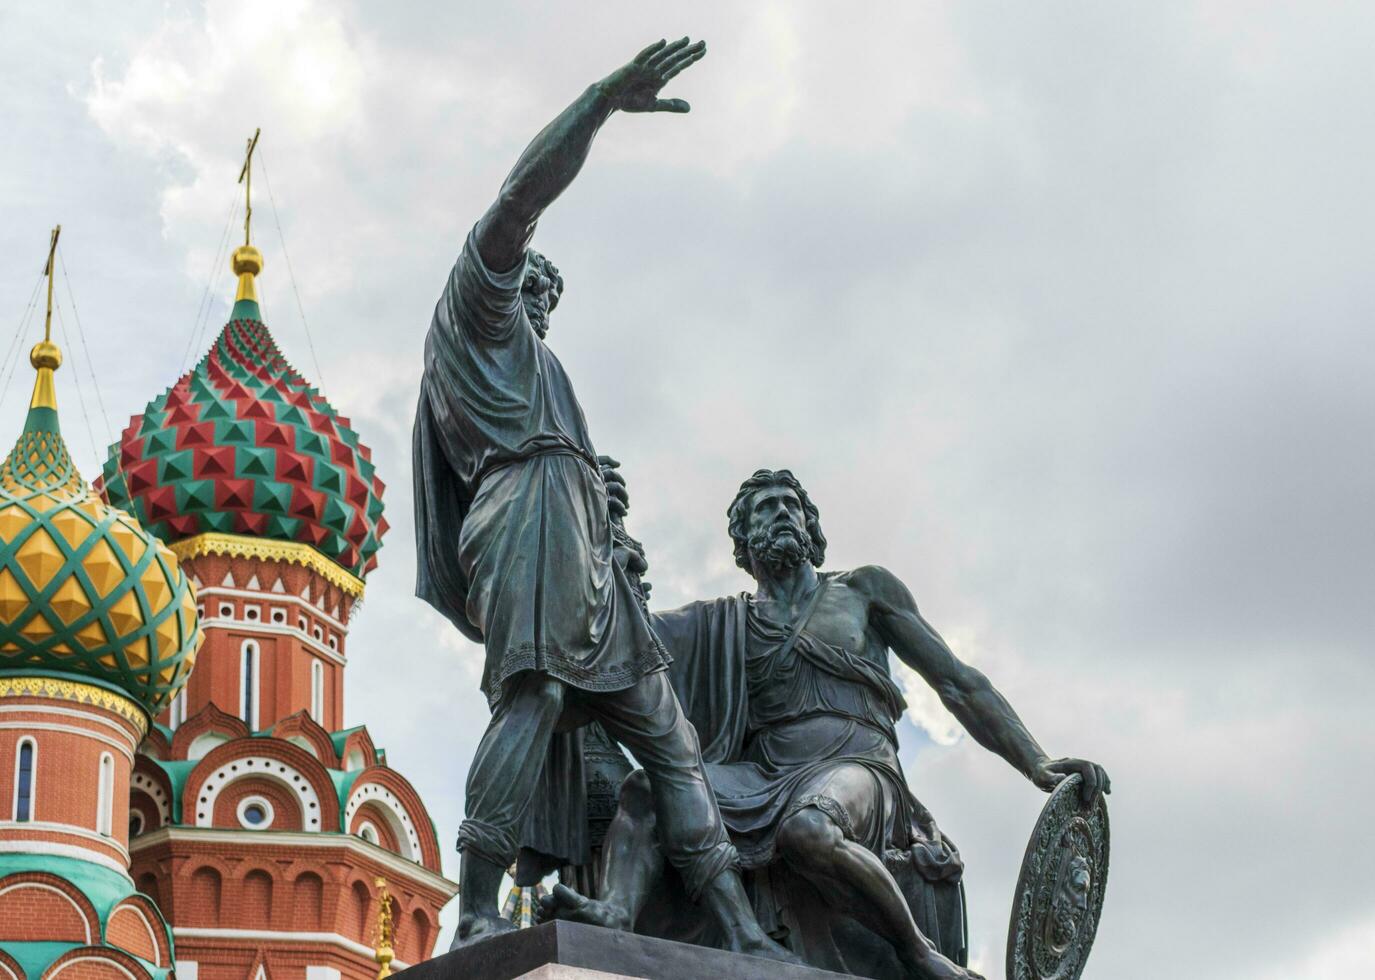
635	87
1051	772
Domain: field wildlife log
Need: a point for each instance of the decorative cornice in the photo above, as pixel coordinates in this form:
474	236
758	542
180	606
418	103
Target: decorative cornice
268	549
63	690
278	936
275	629
45	847
123	748
399	867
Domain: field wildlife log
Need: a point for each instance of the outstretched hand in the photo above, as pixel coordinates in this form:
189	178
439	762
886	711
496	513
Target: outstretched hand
635	88
1052	772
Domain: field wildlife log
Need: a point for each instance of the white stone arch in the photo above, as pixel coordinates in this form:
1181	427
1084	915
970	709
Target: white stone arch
102	960
258	766
132	909
392	810
302	742
147	784
203	743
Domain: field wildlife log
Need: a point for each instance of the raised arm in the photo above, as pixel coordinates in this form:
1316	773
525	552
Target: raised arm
966	692
555	156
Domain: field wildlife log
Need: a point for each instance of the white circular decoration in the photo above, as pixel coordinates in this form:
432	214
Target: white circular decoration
256	813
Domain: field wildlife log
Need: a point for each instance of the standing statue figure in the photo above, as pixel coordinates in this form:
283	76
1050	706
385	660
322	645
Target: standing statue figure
790	692
514	539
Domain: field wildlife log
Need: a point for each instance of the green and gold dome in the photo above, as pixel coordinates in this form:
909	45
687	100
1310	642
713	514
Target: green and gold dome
85	592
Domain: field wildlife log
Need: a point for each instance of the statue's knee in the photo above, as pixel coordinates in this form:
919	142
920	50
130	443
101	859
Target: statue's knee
542	692
809	836
636	796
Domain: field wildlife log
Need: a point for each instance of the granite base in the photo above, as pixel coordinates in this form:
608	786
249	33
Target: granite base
572	951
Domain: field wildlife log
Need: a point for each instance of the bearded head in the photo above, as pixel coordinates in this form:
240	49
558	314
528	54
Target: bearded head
1070	903
540	291
774	524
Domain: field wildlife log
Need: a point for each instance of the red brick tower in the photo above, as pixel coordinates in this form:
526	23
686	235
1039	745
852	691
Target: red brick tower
260	823
97	634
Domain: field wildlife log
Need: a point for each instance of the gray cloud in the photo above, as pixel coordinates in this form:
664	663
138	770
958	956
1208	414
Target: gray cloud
1061	313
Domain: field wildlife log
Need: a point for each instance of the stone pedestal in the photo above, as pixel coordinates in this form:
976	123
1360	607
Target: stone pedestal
569	951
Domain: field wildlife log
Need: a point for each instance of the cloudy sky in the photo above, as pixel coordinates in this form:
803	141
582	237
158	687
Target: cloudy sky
1061	311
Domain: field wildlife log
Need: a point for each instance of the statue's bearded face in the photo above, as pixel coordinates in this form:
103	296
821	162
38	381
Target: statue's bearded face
778	538
770	513
540	291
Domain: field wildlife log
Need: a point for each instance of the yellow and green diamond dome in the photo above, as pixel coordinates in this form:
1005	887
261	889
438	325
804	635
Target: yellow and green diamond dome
85	591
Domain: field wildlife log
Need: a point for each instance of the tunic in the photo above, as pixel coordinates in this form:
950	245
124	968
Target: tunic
820	733
813	726
513	535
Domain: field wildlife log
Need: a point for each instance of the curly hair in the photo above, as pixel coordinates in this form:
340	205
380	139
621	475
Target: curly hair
738	515
538	262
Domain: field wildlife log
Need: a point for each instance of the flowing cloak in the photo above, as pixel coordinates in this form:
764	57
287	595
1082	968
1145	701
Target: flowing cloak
513	539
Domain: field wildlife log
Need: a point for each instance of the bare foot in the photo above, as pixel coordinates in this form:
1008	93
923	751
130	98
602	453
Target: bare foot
474	929
769	950
934	966
564	903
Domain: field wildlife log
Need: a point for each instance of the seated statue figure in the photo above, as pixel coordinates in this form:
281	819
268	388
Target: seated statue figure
792	698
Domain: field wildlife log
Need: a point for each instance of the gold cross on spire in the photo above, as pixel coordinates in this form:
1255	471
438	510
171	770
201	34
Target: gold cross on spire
246	178
45	356
247	261
48	271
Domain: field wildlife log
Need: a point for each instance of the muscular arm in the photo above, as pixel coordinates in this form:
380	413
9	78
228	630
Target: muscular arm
542	173
966	692
555	156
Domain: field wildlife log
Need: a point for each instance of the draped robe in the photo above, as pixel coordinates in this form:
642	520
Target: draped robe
782	730
513	538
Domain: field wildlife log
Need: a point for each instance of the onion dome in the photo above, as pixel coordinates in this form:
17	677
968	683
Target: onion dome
84	589
242	456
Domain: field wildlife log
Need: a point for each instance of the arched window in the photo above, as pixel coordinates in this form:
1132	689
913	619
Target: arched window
24	779
317	691
105	796
249	681
176	715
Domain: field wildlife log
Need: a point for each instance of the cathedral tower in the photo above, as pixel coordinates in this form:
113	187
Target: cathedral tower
98	633
261	821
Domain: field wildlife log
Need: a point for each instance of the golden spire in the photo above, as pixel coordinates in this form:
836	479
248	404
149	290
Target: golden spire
45	356
384	954
247	261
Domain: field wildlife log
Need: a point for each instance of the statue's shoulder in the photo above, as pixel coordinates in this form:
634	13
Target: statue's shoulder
871	580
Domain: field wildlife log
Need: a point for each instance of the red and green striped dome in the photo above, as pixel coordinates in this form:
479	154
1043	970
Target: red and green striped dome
243	445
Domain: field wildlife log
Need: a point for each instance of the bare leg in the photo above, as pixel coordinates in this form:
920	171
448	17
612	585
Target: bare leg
725	897
854	881
634	865
648	720
501	782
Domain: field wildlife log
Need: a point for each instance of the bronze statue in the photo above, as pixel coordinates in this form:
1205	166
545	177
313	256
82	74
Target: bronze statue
515	542
790	692
765	723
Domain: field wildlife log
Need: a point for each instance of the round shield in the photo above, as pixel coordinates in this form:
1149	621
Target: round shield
1060	890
